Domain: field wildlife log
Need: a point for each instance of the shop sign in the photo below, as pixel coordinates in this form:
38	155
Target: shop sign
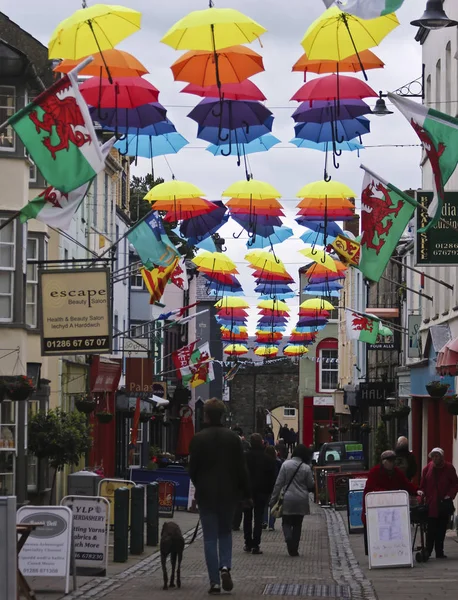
47	550
166	498
323	401
439	245
375	393
160	389
107	488
384	343
136	347
139	377
75	311
413	327
91	515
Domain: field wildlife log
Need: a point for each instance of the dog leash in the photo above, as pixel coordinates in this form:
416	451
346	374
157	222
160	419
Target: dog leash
194	535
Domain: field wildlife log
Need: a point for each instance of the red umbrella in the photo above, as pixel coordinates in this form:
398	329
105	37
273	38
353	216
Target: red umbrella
332	87
245	90
125	92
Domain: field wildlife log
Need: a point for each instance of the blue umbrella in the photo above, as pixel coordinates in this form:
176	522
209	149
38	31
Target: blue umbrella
279	235
204	226
330	227
262	144
262	224
229	114
141	116
154	129
337	131
279	295
151	146
325	146
234	136
321	111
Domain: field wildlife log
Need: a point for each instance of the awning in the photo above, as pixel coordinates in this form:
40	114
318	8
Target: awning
105	375
447	358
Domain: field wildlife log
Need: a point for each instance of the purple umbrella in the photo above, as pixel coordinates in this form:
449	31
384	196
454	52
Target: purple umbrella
322	111
141	116
262	225
202	226
229	114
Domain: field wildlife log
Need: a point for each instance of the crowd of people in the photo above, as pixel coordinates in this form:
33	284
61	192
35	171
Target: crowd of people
254	480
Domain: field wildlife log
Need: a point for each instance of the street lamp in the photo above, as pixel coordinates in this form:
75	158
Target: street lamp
434	16
380	109
413	89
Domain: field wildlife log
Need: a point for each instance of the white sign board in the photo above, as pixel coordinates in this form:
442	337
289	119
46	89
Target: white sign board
356	484
388	529
91	516
47	550
323	401
136	347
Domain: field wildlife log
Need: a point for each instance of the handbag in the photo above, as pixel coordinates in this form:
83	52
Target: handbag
277	509
445	507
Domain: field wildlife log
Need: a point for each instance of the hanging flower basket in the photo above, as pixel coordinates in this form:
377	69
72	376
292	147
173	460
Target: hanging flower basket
18	388
437	389
104	416
85	405
145	417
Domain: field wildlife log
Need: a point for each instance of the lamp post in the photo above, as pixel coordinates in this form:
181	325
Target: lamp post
434	17
413	89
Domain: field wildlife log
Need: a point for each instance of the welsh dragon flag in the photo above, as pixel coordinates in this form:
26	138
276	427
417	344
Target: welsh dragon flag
361	327
438	133
57	130
200	368
366	9
385	214
56	208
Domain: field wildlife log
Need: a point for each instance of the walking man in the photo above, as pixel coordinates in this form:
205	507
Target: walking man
218	470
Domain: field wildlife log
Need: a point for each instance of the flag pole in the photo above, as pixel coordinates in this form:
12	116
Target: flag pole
401	285
383	321
439	281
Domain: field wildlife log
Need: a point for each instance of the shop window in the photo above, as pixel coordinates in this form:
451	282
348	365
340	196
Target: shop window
7	267
329	370
32	283
7	447
7	110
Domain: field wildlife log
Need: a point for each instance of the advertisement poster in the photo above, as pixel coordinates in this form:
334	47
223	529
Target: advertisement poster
75	311
107	488
439	245
91	515
166	498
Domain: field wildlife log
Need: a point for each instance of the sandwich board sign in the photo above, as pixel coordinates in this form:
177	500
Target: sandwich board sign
389	534
47	550
91	516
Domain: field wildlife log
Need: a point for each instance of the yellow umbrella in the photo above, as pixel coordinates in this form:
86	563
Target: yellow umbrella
266	351
266	261
336	35
323	189
215	262
92	30
320	256
212	29
232	302
173	190
294	350
253	190
317	304
274	305
236	349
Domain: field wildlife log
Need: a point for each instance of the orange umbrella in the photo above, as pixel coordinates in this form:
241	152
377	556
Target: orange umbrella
235	64
119	63
348	65
269	204
326	203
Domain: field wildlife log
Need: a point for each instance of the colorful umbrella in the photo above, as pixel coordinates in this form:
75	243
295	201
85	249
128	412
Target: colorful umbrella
123	92
202	226
173	190
351	64
252	189
332	87
229	114
322	111
266	351
322	189
279	235
126	118
230	302
335	131
294	350
325	146
246	90
235	349
234	136
161	128
320	256
151	146
118	63
261	144
316	304
275	305
214	262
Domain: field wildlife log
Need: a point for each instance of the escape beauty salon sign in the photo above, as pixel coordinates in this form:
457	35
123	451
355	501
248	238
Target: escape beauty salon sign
75	311
439	245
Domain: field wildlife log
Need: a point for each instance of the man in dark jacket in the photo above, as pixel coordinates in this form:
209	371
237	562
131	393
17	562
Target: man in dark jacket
217	468
262	471
405	460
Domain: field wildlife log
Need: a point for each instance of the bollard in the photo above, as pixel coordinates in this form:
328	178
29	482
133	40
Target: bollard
152	514
137	519
121	525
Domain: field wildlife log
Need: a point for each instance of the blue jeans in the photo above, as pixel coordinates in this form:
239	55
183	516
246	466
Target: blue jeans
217	531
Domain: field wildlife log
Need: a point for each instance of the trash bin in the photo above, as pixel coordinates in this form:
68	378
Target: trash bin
83	483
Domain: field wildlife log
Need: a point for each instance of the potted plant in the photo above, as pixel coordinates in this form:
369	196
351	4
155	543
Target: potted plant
452	405
145	417
104	416
85	405
437	388
19	388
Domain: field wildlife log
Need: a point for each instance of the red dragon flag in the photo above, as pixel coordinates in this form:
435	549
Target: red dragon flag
57	130
361	327
438	132
385	214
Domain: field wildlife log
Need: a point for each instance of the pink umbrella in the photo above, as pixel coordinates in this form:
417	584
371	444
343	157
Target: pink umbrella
334	87
245	90
125	92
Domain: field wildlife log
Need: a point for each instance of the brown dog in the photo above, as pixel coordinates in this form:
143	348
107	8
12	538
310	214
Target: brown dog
172	542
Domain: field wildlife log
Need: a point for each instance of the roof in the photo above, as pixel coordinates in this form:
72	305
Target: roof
438	336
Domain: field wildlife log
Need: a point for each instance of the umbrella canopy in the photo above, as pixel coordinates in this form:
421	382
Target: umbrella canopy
266	351
235	64
322	111
91	30
262	144
351	64
275	305
235	114
231	302
201	226
336	35
331	228
214	262
234	136
294	350
320	256
323	189
185	208
331	131
317	304
235	349
253	189
212	29
173	190
246	90
129	119
279	235
265	261
149	146
125	92
119	64
334	86
350	146
155	129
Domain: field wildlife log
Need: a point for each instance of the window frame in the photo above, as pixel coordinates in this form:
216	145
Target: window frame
14	109
11	270
34	282
328	370
293	415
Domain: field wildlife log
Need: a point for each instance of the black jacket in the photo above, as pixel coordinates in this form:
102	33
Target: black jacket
405	460
262	470
217	468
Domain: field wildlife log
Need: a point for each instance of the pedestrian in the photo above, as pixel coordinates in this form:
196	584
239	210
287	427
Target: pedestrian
295	479
282	449
218	470
292	440
283	433
269	520
262	474
385	477
405	460
439	483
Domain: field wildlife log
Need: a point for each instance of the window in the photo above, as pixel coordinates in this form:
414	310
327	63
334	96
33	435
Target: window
32	461
124	262
94	202
448	79
118	266
123	190
138	330
7	447
31	295
333	314
438	84
136	456
428	91
32	171
7	260
105	205
329	370
289	412
136	279
7	110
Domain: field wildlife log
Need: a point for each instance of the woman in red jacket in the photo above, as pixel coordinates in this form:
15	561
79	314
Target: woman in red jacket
439	483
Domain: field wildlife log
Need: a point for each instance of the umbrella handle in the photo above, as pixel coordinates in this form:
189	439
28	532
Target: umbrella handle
230	147
216	113
247	127
336	164
121	152
237	236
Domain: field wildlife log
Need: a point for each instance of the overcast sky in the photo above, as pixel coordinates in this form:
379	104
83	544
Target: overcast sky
287	168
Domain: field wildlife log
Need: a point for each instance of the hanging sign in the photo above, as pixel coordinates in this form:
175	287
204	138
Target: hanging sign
413	326
91	516
47	550
439	245
166	498
75	311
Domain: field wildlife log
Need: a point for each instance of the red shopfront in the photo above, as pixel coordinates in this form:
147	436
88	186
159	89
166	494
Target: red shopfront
104	380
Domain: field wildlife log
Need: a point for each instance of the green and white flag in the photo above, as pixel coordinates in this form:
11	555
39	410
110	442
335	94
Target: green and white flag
361	327
366	9
56	208
57	130
199	369
438	132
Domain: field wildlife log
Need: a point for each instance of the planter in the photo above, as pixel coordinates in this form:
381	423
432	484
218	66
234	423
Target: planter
18	388
438	390
85	406
104	417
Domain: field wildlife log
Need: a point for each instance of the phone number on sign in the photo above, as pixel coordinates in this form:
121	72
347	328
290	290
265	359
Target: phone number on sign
38	571
88	556
100	343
